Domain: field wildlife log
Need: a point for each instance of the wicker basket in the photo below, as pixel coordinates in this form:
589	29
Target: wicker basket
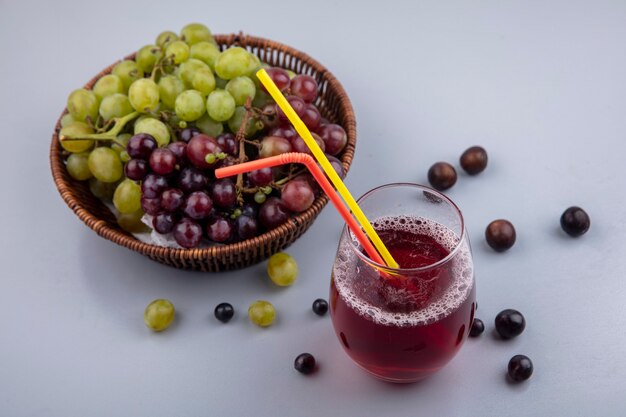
333	103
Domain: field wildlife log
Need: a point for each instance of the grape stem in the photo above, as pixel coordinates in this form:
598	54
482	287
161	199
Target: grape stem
241	137
110	134
289	177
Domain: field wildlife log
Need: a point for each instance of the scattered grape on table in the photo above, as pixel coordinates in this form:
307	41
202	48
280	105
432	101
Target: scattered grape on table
149	136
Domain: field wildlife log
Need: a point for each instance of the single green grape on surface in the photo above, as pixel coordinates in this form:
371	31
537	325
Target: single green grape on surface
159	314
262	313
107	85
144	95
77	166
83	103
76	130
105	164
155	128
282	269
127	197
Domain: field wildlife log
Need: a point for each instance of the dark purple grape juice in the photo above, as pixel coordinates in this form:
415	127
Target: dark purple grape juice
404	327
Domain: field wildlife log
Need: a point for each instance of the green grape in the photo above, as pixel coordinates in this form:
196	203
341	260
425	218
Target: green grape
178	50
206	52
187	69
253	65
128	71
190	105
123	138
131	222
232	63
105	164
154	127
165	38
261	98
253	125
159	314
169	88
107	85
127	197
76	129
82	104
77	166
220	83
209	126
195	32
282	269
220	105
115	105
67	119
147	57
291	74
204	82
144	95
241	88
102	190
261	313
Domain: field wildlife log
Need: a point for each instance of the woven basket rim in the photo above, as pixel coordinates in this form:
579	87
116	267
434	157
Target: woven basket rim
127	240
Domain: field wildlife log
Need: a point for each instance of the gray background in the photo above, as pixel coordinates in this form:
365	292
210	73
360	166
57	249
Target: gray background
541	85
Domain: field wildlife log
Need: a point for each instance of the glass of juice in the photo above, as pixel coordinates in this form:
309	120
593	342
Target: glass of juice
404	324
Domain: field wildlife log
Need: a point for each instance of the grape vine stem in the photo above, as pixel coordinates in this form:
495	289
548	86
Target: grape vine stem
241	138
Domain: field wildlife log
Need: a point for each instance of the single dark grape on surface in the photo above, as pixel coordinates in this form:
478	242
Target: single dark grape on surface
335	138
474	160
192	179
304	363
320	306
163	161
153	185
224	312
575	221
136	169
478	327
163	222
219	230
199	147
246	226
510	323
172	199
188	233
520	368
227	142
305	87
442	176
141	146
273	213
198	205
224	193
500	235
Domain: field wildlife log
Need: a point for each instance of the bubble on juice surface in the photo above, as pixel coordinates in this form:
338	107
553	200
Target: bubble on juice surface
350	285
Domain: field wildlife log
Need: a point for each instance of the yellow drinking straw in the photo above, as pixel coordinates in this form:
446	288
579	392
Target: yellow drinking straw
305	134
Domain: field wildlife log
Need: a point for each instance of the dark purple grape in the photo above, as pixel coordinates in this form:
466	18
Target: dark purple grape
500	235
280	78
305	363
136	169
336	163
178	149
305	87
269	116
311	117
442	176
298	105
261	177
198	205
172	199
141	146
224	312
163	161
474	160
297	196
151	206
163	222
224	193
274	145
334	137
250	210
510	323
575	221
227	142
320	306
187	233
520	368
273	213
287	132
191	179
153	185
219	230
188	133
478	327
199	147
299	145
247	227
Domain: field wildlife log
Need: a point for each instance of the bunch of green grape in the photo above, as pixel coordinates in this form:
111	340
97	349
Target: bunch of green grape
181	86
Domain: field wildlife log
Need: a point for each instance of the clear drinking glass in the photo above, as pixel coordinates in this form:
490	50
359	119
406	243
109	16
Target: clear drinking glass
404	324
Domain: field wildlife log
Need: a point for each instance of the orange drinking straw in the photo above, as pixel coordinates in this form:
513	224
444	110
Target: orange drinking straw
309	162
